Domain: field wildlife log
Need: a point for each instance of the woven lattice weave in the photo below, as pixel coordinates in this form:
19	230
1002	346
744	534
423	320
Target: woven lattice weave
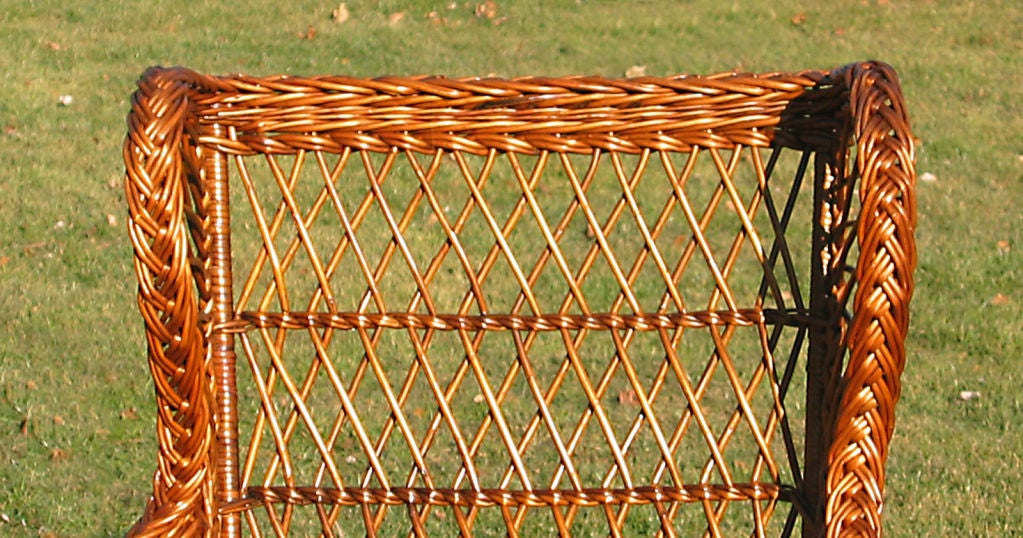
477	306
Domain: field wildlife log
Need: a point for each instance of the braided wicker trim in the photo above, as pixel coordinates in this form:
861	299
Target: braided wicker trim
157	198
283	115
871	385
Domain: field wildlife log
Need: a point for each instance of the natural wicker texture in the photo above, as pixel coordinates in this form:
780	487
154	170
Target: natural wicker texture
614	277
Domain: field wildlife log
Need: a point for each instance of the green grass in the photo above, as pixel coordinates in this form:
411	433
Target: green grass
75	403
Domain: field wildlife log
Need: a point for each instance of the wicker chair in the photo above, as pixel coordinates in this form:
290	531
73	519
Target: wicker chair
412	306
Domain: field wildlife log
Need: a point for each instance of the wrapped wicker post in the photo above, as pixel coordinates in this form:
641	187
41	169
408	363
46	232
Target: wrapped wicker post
577	306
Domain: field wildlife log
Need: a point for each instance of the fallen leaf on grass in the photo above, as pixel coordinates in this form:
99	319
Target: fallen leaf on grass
309	34
53	45
799	19
130	414
1000	300
58	455
967	395
435	18
395	18
340	14
487	9
58	420
1004	247
628	397
30	248
635	71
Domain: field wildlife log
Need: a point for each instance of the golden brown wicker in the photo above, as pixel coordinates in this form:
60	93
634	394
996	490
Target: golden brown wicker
410	306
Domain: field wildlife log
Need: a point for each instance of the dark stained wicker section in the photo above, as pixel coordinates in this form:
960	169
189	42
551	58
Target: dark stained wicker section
576	306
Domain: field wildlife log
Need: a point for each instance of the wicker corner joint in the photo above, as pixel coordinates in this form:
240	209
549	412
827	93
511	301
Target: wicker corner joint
576	306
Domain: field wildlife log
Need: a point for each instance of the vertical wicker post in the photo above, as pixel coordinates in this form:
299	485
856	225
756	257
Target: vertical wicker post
222	355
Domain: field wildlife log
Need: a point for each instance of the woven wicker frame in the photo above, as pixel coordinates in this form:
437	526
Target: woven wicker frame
624	430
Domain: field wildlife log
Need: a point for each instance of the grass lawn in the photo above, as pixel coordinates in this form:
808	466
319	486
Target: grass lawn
75	401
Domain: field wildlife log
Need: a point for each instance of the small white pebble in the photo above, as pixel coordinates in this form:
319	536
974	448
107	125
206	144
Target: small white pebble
66	100
928	177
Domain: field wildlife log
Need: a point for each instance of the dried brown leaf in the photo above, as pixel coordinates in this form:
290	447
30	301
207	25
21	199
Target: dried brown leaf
395	18
58	420
309	34
486	10
58	455
799	18
628	397
1000	299
1004	247
53	45
130	414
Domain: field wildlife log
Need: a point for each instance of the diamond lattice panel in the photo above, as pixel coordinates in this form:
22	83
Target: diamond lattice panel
528	342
